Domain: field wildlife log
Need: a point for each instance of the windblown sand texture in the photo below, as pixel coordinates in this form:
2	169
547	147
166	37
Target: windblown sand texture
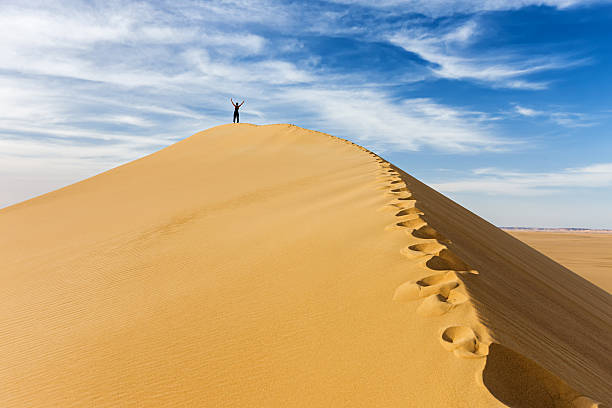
272	266
589	254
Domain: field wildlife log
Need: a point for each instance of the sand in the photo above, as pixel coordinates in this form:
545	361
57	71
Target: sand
272	266
589	254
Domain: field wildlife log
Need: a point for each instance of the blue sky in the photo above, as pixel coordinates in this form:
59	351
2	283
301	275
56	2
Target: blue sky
505	106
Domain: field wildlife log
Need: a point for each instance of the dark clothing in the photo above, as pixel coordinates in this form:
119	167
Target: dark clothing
236	114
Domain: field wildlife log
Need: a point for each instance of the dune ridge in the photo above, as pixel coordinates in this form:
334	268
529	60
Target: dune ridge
276	266
443	291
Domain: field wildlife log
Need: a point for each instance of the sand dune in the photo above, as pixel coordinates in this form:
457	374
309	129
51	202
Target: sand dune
272	266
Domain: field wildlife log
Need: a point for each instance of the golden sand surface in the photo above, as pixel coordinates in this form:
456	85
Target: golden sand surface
589	254
273	266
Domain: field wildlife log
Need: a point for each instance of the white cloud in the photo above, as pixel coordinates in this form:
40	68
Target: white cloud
527	111
572	119
440	8
127	119
446	49
410	124
561	118
78	25
499	182
235	43
124	44
231	13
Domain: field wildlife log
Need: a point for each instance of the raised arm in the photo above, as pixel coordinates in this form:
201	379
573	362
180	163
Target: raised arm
241	104
232	101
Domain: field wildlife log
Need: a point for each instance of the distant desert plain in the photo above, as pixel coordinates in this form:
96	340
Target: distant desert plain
274	266
587	253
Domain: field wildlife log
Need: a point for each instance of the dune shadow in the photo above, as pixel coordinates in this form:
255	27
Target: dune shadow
520	382
447	260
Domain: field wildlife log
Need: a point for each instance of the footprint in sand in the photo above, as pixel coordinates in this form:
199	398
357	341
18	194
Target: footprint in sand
441	283
410	223
391	183
389	177
427	232
445	260
406	195
463	342
409	211
401	205
400	190
442	259
424	249
439	304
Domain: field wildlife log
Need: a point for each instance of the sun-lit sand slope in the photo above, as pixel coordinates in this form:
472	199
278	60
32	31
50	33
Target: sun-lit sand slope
274	266
589	254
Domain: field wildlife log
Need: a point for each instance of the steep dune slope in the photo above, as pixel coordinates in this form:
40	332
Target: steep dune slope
531	305
276	266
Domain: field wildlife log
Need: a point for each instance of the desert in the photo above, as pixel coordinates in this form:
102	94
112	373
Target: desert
277	266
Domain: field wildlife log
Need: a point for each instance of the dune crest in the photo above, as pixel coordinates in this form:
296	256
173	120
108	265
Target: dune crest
277	266
511	377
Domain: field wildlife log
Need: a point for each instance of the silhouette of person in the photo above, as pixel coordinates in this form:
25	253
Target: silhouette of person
236	107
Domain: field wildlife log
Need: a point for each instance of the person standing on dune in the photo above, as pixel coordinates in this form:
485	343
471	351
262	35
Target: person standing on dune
236	107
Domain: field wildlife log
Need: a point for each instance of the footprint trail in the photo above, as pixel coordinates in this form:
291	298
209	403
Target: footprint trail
441	291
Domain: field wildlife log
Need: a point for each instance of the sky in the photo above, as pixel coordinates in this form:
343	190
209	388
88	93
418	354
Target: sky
504	106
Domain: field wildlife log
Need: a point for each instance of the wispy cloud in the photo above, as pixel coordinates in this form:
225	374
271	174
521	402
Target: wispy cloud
501	182
447	48
559	117
440	8
374	118
527	111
